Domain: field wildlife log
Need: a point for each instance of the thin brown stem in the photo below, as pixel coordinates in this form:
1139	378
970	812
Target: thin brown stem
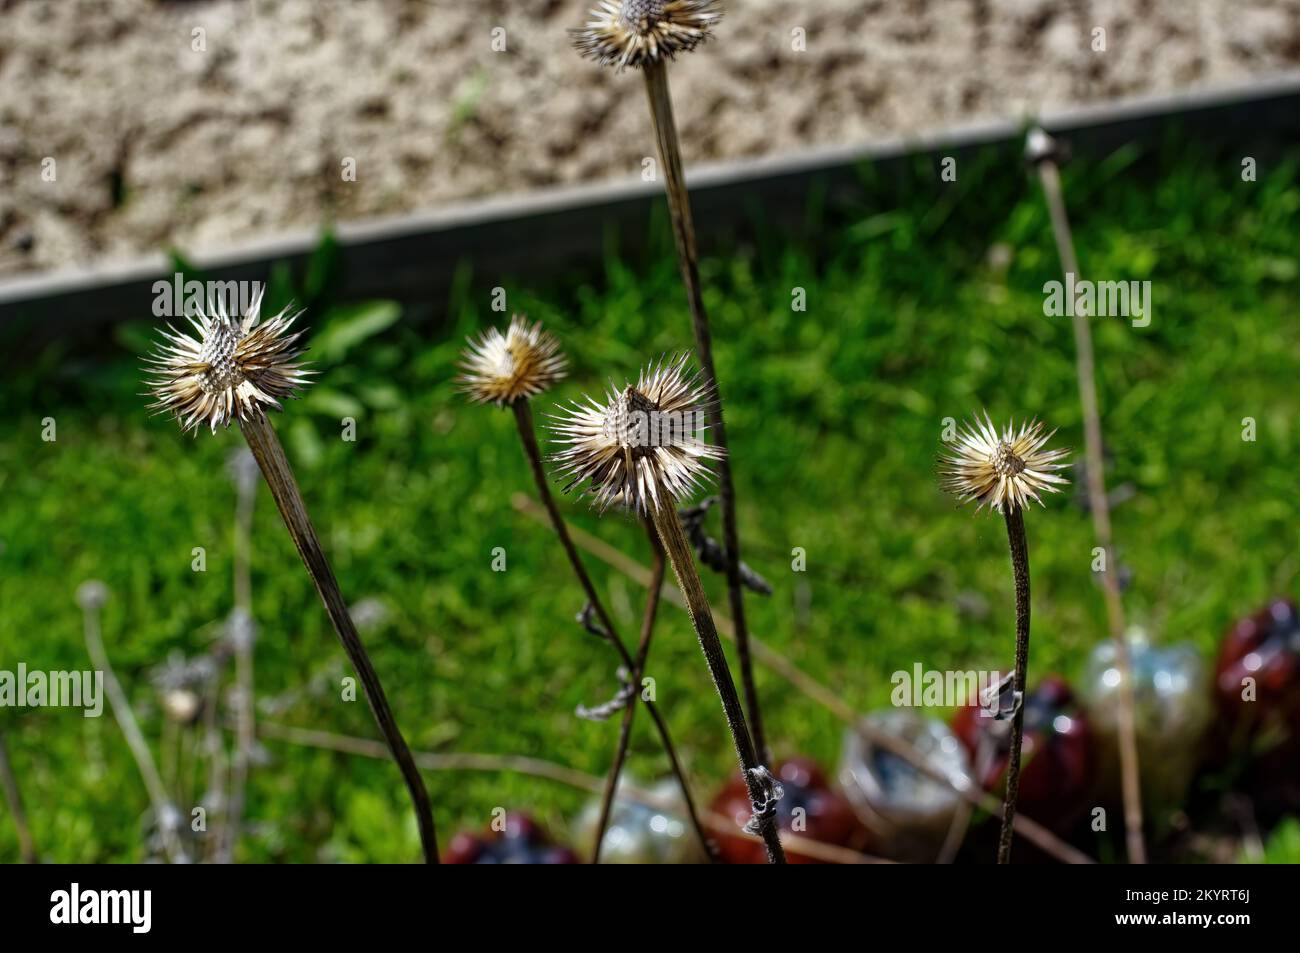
533	453
688	579
1015	518
551	771
679	209
634	681
9	783
270	456
1099	506
823	695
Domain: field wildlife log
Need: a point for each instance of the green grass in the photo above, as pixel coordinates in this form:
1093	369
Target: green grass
834	415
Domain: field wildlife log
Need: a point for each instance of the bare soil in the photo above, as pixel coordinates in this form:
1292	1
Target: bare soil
205	124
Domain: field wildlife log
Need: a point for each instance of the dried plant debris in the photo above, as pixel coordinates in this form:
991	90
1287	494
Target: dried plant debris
710	552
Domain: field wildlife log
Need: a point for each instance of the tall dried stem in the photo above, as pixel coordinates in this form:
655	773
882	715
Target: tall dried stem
679	209
1015	519
682	559
532	452
1099	506
270	456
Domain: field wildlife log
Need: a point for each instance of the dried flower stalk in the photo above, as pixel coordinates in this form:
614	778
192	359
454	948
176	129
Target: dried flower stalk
823	695
91	596
679	208
640	449
1005	473
509	369
528	436
270	457
763	793
235	370
1043	151
634	679
647	34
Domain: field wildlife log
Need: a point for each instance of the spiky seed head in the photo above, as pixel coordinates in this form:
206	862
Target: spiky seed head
233	370
641	446
999	471
518	365
623	33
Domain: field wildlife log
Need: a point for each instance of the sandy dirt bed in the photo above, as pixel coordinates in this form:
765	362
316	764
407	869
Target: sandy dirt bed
205	124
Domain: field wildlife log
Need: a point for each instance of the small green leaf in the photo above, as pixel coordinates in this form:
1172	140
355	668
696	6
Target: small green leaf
380	396
322	270
305	445
280	292
332	403
346	326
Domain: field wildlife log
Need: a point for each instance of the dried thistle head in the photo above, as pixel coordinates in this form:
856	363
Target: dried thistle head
641	446
233	370
623	33
1007	470
518	365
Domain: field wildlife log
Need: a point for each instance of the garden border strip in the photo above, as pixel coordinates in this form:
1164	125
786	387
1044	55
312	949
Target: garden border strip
413	257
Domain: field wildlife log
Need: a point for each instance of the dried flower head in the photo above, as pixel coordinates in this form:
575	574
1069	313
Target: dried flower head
233	370
643	442
518	365
92	594
182	684
998	471
625	33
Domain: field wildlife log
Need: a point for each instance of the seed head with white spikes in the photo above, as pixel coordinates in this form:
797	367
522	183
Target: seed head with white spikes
518	365
233	370
623	33
641	446
999	471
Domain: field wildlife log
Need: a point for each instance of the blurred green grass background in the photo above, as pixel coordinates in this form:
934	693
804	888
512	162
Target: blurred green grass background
924	301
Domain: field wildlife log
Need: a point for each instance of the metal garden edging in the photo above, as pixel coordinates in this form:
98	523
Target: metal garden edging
412	257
